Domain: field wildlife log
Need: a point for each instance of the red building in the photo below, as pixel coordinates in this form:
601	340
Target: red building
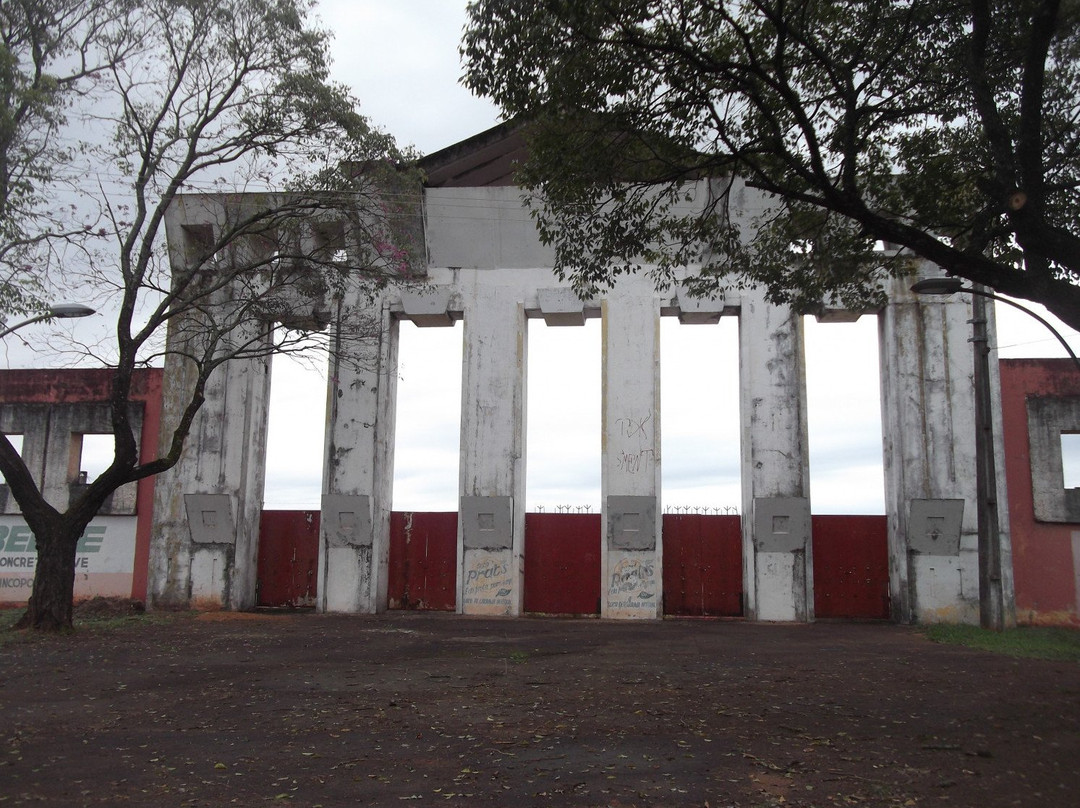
1040	402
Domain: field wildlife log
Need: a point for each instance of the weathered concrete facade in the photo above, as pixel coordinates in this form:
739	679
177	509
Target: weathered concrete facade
487	267
53	411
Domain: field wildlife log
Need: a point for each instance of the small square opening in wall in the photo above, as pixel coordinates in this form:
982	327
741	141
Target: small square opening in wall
95	457
1070	459
17	442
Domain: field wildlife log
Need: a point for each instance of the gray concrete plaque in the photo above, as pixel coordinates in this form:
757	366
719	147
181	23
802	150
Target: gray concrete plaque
934	526
631	522
210	518
346	520
487	523
781	524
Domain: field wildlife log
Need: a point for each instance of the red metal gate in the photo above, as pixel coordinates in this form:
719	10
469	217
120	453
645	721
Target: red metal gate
702	565
562	563
423	561
851	566
288	558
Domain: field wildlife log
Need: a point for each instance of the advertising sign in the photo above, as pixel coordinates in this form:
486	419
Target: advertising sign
104	560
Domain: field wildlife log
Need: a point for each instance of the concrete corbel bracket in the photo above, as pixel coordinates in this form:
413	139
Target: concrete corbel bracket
781	524
834	311
210	518
699	310
346	520
487	523
934	526
427	306
561	307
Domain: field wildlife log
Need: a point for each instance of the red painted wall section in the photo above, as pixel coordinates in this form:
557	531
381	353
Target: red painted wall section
149	389
703	574
562	563
1044	568
422	570
851	566
74	386
288	560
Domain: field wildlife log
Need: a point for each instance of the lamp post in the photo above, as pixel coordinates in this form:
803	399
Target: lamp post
991	597
950	286
62	311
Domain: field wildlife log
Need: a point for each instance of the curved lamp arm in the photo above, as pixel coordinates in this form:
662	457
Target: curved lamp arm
63	311
949	286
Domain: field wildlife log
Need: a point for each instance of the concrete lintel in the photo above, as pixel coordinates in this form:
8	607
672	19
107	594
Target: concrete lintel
562	306
427	307
699	310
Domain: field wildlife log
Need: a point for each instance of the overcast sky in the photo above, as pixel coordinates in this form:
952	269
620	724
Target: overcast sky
401	59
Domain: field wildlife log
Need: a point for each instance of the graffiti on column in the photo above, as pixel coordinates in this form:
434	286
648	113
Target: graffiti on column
633	584
488	581
635	459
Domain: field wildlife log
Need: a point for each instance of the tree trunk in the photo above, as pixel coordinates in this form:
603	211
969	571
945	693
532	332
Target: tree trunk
50	604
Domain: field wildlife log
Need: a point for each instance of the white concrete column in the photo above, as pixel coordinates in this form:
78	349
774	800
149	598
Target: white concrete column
358	460
928	415
777	548
491	517
631	553
208	506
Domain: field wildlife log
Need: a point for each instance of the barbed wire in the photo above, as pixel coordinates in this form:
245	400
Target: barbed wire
674	510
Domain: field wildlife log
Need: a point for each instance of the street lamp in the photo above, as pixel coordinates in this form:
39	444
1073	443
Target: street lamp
62	311
950	286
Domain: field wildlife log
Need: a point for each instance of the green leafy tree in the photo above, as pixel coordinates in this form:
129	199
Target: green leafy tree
194	100
939	128
48	56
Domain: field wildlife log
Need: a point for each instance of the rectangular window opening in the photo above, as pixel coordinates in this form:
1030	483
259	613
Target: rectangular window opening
96	455
1070	459
17	442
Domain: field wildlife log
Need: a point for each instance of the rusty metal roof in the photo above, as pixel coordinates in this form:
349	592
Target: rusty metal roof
487	159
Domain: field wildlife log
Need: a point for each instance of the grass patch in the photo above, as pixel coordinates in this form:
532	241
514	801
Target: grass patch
1029	642
83	624
8	618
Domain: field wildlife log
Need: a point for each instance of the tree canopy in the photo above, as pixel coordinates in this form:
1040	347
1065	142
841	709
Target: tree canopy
944	129
144	108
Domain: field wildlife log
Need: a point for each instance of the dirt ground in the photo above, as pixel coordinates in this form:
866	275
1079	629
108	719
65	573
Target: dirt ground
429	709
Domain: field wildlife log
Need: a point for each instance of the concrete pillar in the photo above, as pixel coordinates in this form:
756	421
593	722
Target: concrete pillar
777	548
631	552
207	507
358	470
928	415
491	516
